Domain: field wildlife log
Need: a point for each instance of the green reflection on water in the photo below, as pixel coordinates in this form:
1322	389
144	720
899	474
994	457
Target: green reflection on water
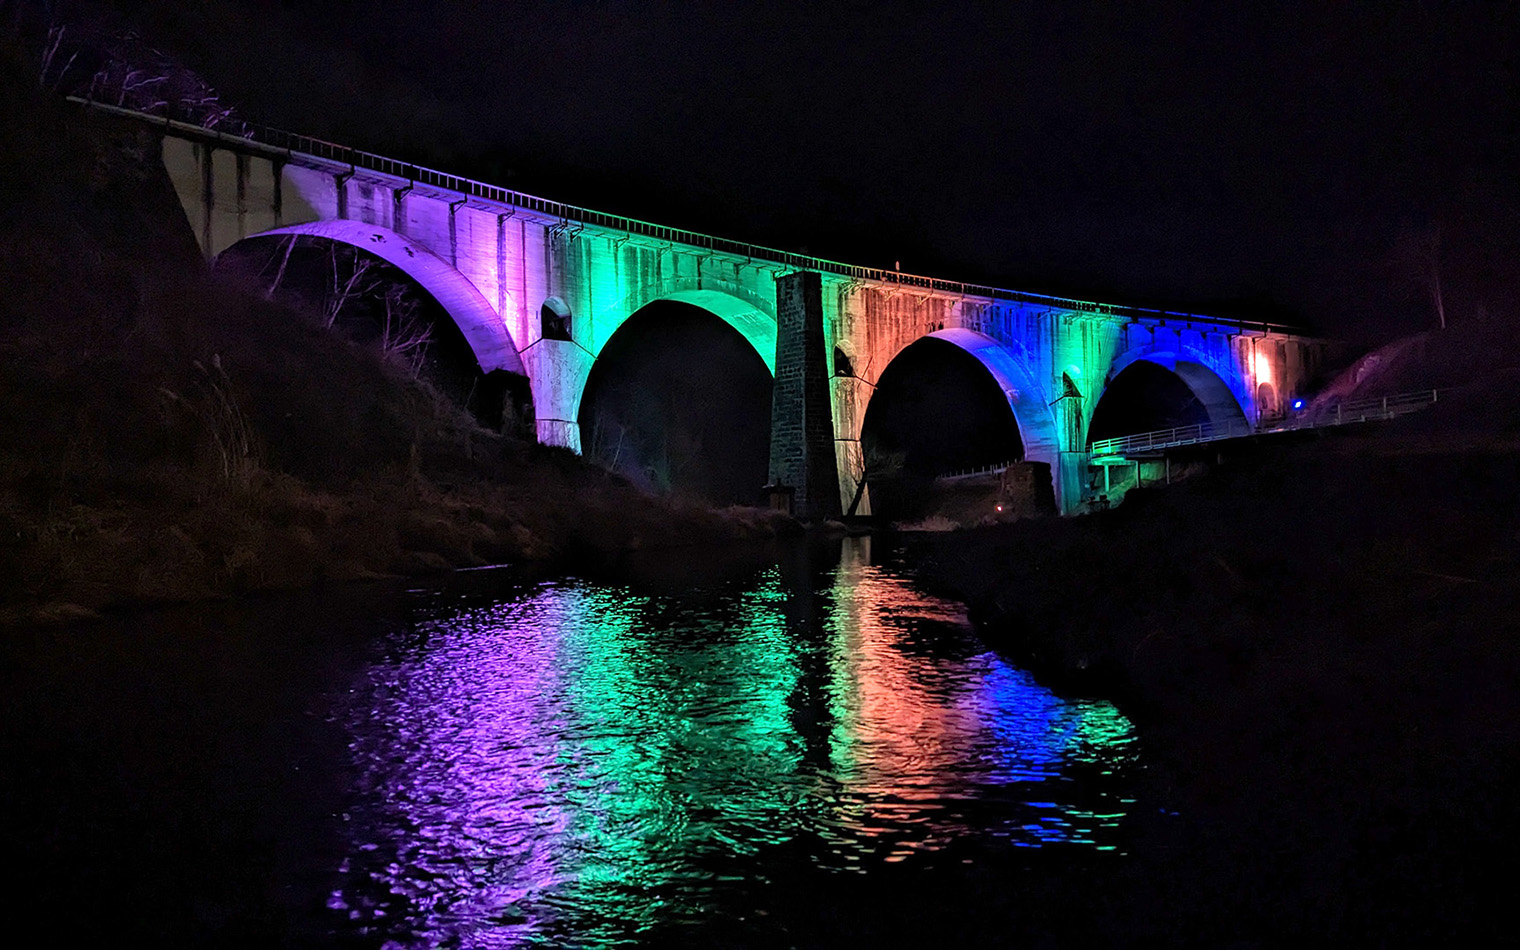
670	753
593	760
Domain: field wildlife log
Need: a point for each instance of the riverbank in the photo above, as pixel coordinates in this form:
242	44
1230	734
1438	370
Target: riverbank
170	434
1320	646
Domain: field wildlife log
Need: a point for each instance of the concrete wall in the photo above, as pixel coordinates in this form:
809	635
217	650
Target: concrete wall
493	265
802	453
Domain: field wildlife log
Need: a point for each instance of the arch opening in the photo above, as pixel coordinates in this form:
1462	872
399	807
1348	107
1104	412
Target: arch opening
554	320
1069	387
1150	394
479	323
1268	409
937	409
379	305
842	364
754	323
679	402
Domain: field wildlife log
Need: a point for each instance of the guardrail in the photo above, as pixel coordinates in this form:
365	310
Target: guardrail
1361	410
293	146
973	472
1378	407
1171	438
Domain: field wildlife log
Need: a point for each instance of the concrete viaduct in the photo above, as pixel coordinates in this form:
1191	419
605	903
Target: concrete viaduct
538	288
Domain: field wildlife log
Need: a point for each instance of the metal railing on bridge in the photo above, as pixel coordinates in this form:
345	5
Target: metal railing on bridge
998	468
1361	410
291	146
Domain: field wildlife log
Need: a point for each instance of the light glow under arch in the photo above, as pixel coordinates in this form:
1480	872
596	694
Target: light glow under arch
478	321
757	326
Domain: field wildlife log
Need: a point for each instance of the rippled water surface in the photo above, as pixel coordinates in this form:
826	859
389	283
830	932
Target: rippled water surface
586	764
810	754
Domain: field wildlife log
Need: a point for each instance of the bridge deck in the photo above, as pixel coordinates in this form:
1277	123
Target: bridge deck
294	147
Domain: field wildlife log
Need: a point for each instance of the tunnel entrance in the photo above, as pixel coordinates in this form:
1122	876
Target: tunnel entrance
936	410
1145	397
379	306
679	403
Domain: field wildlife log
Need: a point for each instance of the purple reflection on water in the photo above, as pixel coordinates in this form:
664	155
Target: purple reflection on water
455	782
579	763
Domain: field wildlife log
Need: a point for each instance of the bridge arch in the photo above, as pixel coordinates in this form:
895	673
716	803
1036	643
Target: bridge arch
1031	412
1217	399
738	306
676	395
752	318
479	323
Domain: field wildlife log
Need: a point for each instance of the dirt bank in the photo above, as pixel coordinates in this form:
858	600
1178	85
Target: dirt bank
1321	646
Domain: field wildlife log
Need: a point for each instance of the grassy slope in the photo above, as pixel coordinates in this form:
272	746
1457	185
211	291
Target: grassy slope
1323	647
131	381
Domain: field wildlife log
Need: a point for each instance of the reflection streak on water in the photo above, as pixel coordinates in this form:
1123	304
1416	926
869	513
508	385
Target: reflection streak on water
584	757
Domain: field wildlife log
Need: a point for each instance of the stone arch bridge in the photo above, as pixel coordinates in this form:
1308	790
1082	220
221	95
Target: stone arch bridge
537	288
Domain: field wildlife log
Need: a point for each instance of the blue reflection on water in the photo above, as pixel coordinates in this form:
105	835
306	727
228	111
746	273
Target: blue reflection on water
583	759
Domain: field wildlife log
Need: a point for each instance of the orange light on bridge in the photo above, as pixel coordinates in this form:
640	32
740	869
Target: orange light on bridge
1263	368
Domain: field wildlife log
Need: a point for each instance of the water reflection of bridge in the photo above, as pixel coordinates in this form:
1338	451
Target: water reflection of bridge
561	754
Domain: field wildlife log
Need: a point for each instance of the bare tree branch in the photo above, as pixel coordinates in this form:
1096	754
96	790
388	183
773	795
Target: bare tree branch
1416	260
404	337
279	274
345	290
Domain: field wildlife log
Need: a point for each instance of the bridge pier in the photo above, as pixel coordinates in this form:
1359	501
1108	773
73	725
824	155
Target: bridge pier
802	423
557	371
1070	477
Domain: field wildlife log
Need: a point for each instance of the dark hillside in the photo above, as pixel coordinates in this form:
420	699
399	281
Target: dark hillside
1321	646
168	434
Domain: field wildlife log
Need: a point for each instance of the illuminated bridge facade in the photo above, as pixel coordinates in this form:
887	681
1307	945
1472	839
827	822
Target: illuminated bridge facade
538	288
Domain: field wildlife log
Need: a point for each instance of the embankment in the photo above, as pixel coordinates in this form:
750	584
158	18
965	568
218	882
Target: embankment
1321	647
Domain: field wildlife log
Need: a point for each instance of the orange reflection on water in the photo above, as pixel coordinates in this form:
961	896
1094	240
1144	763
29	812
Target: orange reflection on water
913	732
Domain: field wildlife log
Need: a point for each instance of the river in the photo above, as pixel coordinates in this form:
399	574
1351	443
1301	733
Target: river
808	753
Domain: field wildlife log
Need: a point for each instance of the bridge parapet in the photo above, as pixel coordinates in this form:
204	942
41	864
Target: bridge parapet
282	146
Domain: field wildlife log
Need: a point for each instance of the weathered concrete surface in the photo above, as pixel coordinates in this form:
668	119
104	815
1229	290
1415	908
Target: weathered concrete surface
1052	357
802	431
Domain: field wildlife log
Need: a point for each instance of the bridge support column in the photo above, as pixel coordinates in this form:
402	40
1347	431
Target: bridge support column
1070	478
557	370
802	425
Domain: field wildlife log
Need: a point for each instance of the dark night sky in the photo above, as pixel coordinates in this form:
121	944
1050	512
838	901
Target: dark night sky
1177	153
